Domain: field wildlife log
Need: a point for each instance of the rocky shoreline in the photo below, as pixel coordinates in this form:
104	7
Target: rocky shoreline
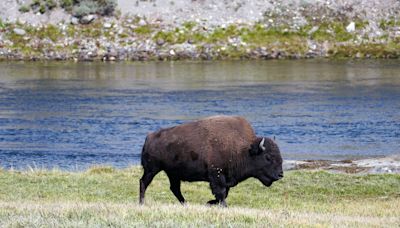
319	29
380	165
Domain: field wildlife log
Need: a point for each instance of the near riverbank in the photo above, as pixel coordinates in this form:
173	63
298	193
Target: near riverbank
379	165
204	30
108	197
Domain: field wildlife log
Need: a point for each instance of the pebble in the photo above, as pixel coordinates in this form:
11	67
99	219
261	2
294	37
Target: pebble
19	31
87	19
74	20
160	42
142	22
313	29
351	27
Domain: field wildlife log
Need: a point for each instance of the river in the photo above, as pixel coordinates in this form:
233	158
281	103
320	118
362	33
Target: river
75	115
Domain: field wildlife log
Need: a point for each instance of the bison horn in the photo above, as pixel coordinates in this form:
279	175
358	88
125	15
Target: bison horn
262	147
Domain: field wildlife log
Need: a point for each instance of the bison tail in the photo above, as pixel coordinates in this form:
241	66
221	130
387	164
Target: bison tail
143	151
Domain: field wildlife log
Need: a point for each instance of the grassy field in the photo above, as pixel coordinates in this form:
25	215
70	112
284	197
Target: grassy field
108	197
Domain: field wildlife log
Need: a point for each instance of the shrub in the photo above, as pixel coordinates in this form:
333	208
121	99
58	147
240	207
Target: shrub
84	8
67	4
50	4
41	6
101	7
2	25
107	7
24	9
42	9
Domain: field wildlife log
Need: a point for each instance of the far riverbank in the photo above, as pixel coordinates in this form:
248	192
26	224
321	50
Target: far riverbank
200	31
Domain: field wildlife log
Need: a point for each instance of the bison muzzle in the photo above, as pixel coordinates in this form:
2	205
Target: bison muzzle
221	150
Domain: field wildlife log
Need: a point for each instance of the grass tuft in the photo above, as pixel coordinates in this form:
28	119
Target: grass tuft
100	170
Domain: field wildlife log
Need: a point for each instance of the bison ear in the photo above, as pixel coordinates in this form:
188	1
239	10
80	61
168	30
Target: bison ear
257	147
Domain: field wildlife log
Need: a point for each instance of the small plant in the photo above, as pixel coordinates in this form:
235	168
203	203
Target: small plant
2	25
189	25
101	7
101	170
50	4
24	9
67	4
85	8
41	6
42	9
143	30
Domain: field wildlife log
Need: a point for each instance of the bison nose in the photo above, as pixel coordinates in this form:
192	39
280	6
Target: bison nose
280	176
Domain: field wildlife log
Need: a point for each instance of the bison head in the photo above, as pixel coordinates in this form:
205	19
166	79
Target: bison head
267	161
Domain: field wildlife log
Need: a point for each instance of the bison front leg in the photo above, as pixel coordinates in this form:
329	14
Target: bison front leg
212	202
218	189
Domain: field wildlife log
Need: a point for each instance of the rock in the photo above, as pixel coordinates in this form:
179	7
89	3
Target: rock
351	27
87	19
313	29
160	42
142	22
191	41
107	25
74	21
19	31
292	164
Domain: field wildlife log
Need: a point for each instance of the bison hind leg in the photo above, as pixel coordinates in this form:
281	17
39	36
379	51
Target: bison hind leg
175	186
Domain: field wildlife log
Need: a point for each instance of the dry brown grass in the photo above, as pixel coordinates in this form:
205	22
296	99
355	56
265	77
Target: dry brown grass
71	214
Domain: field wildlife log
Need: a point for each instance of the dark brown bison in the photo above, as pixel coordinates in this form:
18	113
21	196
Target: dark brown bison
221	150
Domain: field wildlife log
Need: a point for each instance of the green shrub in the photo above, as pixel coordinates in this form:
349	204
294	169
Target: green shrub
84	8
50	4
67	4
41	6
2	25
101	7
24	9
42	9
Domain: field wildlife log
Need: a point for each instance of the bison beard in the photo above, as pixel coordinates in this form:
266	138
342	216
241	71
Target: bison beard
221	150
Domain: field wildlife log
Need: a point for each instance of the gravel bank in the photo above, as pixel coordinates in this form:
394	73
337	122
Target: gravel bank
390	164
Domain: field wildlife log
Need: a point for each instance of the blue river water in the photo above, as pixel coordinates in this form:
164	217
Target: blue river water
75	115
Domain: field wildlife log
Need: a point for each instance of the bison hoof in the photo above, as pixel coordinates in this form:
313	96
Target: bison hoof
216	202
212	202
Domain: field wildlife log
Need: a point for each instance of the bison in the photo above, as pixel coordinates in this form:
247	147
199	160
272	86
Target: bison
221	150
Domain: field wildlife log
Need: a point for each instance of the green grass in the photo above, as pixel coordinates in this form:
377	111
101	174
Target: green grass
105	196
